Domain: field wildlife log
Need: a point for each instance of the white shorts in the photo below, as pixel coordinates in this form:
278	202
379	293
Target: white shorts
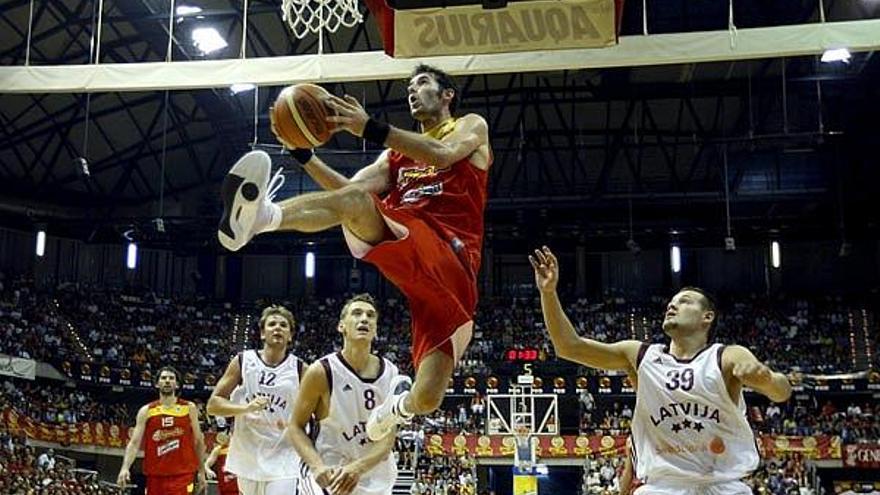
735	487
274	487
308	486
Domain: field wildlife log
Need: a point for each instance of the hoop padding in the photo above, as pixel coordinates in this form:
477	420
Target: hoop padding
311	16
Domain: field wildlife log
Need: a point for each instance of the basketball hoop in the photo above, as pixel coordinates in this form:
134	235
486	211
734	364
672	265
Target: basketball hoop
524	455
313	16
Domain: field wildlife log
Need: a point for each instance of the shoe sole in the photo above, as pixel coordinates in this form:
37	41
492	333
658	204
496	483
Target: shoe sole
243	179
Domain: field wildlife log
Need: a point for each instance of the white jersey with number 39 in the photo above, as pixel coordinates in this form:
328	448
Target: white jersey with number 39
686	428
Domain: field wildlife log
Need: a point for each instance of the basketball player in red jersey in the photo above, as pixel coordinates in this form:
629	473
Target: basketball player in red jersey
174	448
215	466
416	213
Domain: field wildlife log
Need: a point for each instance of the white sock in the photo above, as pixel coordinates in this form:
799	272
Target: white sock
399	408
274	213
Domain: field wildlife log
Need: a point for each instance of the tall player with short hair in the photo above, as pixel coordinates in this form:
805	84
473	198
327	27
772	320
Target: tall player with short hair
258	389
425	233
339	391
174	447
690	434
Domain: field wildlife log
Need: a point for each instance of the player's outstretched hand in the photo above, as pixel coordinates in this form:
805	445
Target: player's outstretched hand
345	481
350	115
210	474
258	403
324	475
124	478
546	269
753	373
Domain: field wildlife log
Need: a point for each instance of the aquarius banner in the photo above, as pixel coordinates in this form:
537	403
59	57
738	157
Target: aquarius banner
818	447
521	26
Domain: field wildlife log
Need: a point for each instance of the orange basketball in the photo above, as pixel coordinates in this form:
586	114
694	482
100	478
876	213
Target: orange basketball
299	116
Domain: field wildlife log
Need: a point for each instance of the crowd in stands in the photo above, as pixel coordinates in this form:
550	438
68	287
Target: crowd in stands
55	404
445	475
853	422
785	475
23	472
144	331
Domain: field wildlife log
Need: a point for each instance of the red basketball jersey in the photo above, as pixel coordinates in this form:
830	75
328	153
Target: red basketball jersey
169	447
450	200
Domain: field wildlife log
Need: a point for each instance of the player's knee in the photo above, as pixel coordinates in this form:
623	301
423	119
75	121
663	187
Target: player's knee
354	201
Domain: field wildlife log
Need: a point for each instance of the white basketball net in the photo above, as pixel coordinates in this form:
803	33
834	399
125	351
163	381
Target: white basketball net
312	16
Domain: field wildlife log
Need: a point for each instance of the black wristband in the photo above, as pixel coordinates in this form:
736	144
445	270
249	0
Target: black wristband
302	155
376	131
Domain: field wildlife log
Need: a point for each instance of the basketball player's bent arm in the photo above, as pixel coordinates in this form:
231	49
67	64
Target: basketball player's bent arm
373	178
134	443
198	440
219	403
471	132
568	345
312	388
209	462
738	363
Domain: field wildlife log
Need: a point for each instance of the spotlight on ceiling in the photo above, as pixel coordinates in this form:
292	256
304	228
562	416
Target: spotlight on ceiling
241	87
187	10
208	40
836	55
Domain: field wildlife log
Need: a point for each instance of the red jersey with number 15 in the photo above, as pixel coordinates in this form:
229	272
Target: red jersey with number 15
450	200
169	446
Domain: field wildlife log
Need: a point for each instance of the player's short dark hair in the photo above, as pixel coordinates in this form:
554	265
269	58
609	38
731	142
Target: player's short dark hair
363	297
444	80
170	369
709	302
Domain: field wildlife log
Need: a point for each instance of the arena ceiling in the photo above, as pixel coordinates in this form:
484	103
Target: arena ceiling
580	153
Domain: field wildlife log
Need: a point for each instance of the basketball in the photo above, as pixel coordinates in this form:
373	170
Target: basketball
299	115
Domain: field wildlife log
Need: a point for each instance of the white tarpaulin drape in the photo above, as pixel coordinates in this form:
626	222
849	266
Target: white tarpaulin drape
18	367
657	49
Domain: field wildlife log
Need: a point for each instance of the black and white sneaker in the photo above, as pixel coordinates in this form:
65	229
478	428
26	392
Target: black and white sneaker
247	193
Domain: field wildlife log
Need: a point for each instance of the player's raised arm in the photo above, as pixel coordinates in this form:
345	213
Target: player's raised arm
372	178
134	444
312	388
219	403
471	132
566	342
738	363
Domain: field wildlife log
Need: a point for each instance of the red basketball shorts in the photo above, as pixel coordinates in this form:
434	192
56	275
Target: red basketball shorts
442	294
179	484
